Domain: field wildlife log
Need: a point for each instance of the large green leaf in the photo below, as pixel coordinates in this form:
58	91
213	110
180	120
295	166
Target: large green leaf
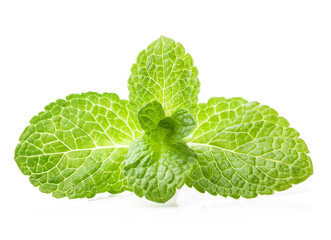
164	72
245	149
75	147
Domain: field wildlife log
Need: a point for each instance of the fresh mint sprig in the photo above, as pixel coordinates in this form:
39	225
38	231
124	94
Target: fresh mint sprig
161	139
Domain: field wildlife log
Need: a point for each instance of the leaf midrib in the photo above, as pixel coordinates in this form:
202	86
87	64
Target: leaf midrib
232	151
78	150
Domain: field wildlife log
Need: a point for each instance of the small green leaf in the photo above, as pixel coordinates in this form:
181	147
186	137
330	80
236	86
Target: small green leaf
159	162
180	124
156	169
76	146
150	115
245	149
164	72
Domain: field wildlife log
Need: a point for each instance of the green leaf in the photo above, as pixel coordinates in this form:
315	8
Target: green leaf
156	169
245	149
76	146
159	162
180	124
150	115
164	72
92	143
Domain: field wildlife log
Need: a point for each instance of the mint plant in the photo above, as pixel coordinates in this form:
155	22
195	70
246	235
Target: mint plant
161	139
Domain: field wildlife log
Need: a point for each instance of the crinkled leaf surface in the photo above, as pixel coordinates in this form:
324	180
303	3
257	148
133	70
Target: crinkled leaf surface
179	125
164	72
75	147
245	149
156	169
159	162
150	115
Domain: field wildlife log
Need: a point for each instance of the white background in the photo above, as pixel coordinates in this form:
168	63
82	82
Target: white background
274	52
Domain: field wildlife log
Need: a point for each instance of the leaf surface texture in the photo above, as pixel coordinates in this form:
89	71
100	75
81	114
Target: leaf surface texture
76	146
245	149
165	73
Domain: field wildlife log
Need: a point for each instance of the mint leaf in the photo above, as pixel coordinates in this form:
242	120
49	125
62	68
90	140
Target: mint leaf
179	125
92	143
159	162
156	169
245	149
75	147
164	72
150	115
